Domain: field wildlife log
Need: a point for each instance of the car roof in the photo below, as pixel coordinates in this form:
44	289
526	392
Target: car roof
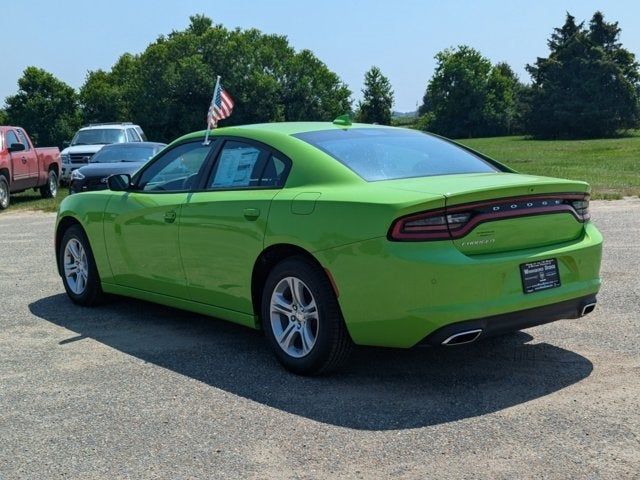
134	145
109	126
285	128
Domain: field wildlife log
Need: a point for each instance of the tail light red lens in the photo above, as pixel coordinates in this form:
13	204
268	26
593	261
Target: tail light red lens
457	221
432	225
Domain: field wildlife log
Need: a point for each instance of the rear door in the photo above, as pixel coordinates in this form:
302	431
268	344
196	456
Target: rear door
222	227
141	226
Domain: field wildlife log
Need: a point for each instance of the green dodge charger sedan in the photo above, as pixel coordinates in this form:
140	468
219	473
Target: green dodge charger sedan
327	235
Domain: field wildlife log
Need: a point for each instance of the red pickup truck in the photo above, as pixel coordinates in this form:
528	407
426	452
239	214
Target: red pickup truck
22	166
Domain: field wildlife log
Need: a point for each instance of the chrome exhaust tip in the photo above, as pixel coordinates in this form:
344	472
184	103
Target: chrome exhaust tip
588	308
461	338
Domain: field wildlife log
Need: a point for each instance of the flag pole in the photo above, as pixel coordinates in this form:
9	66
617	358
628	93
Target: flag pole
213	99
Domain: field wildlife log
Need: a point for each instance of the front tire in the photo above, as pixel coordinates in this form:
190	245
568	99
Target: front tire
302	319
50	189
4	192
78	268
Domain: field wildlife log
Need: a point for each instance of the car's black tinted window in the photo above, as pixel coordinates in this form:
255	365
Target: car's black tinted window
386	154
175	170
274	172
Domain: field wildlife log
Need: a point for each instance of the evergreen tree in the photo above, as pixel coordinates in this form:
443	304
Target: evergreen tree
588	86
377	100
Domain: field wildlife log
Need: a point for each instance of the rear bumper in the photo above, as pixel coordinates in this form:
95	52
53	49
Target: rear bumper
395	294
508	322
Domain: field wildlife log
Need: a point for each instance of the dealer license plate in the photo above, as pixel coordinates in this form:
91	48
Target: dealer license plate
540	275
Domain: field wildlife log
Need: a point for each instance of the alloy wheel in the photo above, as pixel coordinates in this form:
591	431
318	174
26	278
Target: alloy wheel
53	185
76	266
294	317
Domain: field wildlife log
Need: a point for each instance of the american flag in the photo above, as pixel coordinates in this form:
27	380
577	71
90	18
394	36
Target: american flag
221	106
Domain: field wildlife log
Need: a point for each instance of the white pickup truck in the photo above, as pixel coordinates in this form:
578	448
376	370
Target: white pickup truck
90	139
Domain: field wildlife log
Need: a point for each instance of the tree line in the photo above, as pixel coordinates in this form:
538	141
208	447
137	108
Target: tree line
588	86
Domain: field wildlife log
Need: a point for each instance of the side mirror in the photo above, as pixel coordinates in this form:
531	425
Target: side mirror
66	143
120	182
16	147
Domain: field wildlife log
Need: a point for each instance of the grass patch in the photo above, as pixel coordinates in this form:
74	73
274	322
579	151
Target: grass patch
30	200
611	166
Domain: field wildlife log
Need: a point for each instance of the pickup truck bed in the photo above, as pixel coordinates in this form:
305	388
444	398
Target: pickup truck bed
22	166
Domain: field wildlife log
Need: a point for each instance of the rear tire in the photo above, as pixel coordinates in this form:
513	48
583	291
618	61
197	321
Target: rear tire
50	189
78	268
305	329
4	192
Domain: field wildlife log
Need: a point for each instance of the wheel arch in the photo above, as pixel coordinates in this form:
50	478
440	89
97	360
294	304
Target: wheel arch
5	173
63	225
268	259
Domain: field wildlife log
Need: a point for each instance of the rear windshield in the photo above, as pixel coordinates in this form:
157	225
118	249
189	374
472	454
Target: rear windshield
124	154
388	154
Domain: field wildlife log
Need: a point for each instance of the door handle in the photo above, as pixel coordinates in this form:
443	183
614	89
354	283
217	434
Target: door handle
251	213
24	159
170	216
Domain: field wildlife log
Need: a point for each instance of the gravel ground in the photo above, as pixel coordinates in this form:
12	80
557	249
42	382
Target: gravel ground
133	390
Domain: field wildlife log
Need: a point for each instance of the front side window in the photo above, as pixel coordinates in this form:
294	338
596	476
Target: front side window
177	170
11	138
99	136
389	153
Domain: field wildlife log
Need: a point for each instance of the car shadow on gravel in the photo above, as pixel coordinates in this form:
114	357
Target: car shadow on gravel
380	389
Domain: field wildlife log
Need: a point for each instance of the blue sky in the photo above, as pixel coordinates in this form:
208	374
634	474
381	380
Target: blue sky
70	37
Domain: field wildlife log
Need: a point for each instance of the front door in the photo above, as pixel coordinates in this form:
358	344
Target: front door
20	177
222	228
142	225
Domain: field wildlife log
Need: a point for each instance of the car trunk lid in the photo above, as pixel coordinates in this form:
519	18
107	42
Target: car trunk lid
506	211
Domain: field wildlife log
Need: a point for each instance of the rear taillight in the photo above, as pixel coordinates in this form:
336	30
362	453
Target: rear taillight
458	221
582	208
434	225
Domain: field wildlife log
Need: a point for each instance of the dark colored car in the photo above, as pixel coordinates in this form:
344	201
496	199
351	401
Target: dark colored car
112	159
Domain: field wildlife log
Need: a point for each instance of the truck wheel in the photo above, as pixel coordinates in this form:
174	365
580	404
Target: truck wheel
302	319
4	192
78	268
50	189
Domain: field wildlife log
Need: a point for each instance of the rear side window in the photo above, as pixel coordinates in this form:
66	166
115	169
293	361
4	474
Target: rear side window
132	135
141	133
389	153
244	165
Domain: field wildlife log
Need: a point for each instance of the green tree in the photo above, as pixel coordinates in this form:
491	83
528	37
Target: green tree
4	119
45	106
587	87
468	97
168	87
377	100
